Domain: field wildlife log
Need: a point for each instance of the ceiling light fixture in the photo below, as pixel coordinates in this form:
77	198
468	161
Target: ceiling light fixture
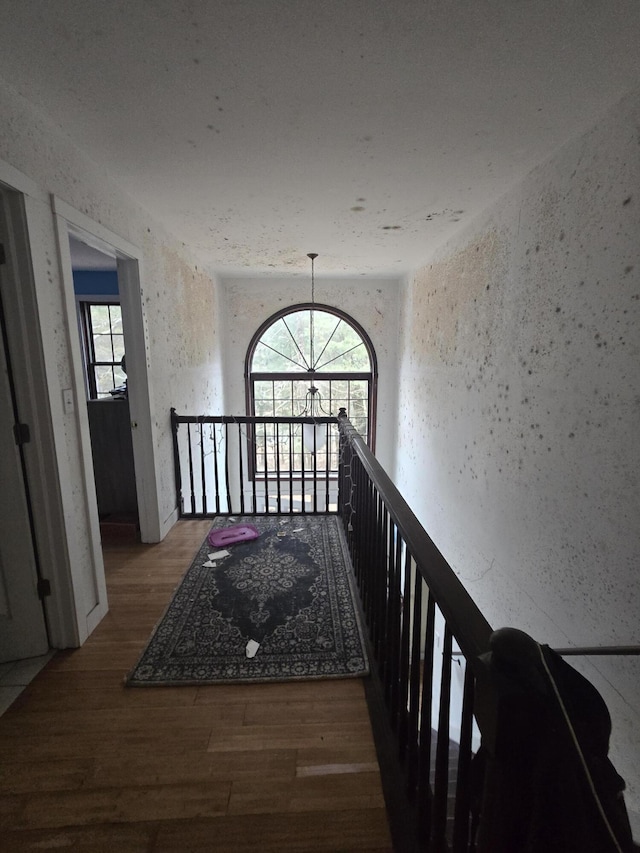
314	436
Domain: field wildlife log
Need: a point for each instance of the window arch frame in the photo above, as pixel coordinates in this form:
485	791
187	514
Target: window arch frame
250	377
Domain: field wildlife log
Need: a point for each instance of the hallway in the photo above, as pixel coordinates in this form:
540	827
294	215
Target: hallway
86	764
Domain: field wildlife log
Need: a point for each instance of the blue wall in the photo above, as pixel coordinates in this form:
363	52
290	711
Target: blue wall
95	282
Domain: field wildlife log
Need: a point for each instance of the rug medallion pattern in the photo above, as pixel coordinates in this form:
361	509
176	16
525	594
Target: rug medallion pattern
290	592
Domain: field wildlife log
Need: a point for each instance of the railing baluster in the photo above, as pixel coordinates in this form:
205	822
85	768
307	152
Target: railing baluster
191	475
374	570
389	550
414	688
303	501
266	471
240	468
216	473
424	791
403	681
203	480
461	826
382	544
279	500
368	500
441	782
176	463
360	531
252	448
226	467
291	468
393	626
327	465
315	470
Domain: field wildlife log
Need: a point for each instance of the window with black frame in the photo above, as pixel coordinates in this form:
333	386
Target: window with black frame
103	344
308	361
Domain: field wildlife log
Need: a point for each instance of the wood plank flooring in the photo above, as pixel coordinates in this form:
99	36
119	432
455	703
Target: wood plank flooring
89	765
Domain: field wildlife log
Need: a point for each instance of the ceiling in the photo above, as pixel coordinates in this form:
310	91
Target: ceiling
84	257
368	131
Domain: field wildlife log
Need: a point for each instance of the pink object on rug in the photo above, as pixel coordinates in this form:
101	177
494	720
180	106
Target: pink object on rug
233	534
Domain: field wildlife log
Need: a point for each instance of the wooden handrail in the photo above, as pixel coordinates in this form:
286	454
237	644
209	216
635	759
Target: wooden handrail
579	651
468	625
598	650
251	419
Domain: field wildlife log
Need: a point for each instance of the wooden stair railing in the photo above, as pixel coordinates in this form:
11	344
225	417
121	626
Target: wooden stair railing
418	613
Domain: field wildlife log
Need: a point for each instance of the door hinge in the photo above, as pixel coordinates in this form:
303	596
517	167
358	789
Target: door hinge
3	257
44	587
22	434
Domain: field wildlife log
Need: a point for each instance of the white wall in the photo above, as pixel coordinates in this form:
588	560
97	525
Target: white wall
374	303
519	452
179	308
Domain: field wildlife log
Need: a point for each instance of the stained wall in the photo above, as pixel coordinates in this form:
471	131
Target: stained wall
180	314
520	409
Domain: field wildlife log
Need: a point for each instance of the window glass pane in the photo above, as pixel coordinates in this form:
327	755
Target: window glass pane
360	424
339	347
300	397
263	390
115	315
100	320
118	347
104	380
282	398
102	348
339	388
264	408
284	347
282	393
357	408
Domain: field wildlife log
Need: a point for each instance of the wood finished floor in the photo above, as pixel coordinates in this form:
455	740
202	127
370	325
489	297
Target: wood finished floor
89	765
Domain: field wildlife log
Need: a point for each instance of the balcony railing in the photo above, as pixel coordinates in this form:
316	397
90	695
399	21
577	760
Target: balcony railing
419	615
430	692
228	465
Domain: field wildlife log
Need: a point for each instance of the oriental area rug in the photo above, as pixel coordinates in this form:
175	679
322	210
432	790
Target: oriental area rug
280	607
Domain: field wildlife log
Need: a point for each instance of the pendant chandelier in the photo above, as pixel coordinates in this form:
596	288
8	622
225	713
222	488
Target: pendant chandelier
314	436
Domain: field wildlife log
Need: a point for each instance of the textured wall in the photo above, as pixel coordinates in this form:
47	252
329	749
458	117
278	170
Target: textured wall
371	302
520	415
179	305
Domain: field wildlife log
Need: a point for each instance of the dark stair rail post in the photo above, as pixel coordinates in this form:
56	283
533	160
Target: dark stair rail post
176	463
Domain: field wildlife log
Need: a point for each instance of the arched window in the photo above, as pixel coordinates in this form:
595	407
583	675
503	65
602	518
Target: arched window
313	359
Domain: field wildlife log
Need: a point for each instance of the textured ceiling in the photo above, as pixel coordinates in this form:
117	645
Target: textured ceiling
366	131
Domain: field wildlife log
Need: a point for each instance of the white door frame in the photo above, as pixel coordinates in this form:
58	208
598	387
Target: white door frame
40	224
71	222
33	381
23	628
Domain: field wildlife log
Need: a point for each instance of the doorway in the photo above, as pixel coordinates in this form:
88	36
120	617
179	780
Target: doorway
125	257
103	347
